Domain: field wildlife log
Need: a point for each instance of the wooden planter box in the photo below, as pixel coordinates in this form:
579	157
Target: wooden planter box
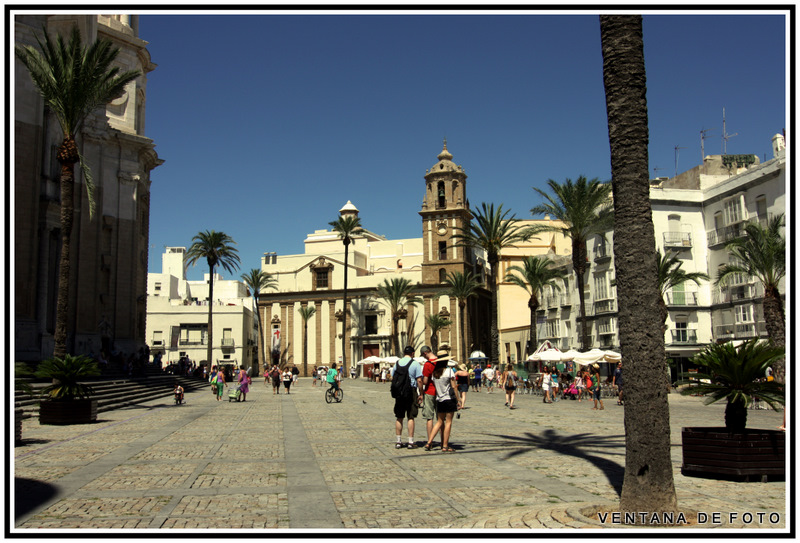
751	454
67	412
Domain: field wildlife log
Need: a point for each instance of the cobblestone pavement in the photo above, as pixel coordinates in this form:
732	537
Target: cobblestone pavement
296	463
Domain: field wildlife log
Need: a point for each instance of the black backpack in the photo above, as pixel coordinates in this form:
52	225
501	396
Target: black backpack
401	384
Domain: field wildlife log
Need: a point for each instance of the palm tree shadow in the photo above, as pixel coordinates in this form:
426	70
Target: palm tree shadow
576	445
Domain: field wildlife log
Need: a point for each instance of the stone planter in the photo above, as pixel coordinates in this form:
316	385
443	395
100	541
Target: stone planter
751	454
67	411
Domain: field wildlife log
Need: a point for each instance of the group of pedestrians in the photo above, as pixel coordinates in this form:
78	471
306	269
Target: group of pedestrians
287	376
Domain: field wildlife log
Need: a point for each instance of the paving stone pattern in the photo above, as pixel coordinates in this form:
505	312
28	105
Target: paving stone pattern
297	464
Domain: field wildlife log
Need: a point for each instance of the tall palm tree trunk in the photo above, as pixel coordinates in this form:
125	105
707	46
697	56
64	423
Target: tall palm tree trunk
533	306
775	321
648	483
210	311
579	263
461	325
345	311
305	348
493	330
67	156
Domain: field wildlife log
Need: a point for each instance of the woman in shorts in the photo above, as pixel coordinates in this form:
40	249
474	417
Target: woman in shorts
448	401
509	383
462	380
545	383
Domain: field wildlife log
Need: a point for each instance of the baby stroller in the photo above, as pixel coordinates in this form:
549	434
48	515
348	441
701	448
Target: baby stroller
234	394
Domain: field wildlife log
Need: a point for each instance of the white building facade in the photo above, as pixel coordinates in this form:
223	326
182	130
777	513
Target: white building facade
694	215
177	316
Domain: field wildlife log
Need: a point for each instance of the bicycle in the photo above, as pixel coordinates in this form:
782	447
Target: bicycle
333	394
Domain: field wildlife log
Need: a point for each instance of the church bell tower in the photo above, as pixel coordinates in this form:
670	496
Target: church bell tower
445	210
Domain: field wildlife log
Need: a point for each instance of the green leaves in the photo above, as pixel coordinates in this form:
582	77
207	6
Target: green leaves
736	374
65	373
217	248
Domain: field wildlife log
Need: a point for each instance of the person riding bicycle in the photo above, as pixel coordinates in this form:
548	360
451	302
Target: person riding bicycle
333	377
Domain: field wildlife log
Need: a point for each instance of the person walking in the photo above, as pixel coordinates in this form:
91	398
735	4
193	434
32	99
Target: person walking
509	383
488	373
275	374
462	379
427	397
544	382
405	395
580	384
478	376
554	384
244	384
287	380
595	387
220	380
616	382
295	373
448	401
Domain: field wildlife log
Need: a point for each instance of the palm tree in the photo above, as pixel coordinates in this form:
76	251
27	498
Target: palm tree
436	323
584	209
670	275
535	274
217	248
462	287
257	281
492	231
736	374
761	253
74	81
396	293
306	312
648	483
347	226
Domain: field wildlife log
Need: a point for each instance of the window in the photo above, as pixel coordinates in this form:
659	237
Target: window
157	289
761	208
371	324
600	287
322	278
733	210
157	338
743	314
441	199
681	332
442	250
442	275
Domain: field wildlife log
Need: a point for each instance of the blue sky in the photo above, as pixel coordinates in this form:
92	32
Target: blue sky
268	124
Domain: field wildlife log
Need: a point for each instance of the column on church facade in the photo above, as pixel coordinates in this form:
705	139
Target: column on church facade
318	334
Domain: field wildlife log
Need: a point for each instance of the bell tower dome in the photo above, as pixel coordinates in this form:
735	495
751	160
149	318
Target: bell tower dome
445	210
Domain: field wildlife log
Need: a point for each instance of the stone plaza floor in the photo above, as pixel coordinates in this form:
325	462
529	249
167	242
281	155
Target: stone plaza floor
294	463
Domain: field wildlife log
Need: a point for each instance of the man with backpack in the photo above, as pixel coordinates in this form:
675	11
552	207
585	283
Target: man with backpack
406	376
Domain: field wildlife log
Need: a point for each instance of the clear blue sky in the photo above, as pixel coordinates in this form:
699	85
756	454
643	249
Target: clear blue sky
268	124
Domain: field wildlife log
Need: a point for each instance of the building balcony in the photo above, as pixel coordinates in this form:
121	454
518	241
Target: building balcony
190	342
684	336
681	298
677	240
737	293
228	343
725	234
566	300
745	330
602	253
604	306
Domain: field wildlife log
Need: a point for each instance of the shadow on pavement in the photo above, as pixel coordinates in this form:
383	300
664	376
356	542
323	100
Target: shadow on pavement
30	494
576	445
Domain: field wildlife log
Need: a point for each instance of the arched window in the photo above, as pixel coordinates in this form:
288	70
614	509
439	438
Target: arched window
442	275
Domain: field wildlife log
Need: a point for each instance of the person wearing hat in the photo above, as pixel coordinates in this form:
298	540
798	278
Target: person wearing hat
462	379
427	397
407	407
448	400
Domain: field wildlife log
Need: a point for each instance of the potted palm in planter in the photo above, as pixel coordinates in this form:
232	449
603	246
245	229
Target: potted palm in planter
68	400
737	375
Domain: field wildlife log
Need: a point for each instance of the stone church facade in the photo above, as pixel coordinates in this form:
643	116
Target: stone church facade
108	278
316	278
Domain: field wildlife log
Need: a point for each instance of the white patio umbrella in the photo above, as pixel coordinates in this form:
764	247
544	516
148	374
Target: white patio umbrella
569	355
612	356
546	356
478	355
390	359
369	360
589	357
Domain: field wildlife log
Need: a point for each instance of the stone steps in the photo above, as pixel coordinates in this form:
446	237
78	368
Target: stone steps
116	393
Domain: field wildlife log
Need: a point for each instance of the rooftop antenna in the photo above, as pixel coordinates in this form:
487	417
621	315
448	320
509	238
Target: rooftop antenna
702	143
725	135
656	169
677	154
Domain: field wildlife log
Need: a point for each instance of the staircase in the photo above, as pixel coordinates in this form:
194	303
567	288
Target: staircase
118	392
